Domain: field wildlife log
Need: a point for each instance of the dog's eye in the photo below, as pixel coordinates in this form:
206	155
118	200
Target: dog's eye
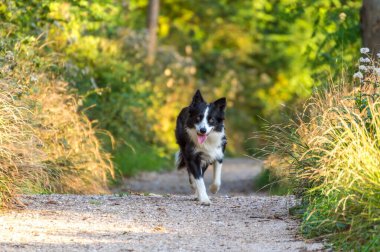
211	120
199	118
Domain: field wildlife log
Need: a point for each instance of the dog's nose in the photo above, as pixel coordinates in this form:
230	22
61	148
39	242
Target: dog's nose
203	130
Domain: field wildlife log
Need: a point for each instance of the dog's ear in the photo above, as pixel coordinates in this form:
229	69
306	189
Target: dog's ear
197	98
221	103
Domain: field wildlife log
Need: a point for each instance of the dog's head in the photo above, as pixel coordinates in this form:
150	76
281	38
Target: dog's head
206	118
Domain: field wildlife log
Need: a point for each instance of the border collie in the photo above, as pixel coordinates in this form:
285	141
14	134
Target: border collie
202	141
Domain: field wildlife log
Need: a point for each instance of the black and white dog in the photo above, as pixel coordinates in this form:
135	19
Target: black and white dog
202	141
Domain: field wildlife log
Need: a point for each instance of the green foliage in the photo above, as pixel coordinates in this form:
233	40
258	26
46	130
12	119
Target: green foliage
261	55
274	51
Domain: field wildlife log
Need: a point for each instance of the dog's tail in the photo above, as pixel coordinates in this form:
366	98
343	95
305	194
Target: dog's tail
179	162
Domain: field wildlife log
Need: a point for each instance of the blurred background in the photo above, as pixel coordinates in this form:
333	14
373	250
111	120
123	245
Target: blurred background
132	65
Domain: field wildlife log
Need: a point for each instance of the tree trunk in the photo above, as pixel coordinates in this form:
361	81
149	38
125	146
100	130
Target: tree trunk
153	10
370	25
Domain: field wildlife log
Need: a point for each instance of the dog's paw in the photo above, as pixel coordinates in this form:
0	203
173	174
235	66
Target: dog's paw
214	188
205	202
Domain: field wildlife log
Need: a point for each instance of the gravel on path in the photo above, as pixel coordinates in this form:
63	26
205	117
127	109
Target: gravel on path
160	215
151	223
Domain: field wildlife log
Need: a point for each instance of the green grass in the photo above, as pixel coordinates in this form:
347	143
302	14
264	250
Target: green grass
134	158
267	182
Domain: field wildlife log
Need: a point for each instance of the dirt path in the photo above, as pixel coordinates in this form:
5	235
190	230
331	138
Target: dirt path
238	220
237	179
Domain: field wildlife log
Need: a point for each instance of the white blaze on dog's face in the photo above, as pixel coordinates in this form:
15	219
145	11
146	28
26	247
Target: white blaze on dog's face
205	118
202	127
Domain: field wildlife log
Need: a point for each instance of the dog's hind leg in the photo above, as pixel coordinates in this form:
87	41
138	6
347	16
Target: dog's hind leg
192	185
179	161
217	181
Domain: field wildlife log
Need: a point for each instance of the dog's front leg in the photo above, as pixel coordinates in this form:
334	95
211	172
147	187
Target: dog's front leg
197	176
215	186
201	190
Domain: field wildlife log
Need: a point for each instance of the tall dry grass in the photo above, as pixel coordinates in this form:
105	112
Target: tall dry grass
19	166
73	154
333	153
342	174
46	143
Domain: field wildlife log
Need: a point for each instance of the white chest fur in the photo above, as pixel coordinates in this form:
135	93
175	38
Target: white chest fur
211	149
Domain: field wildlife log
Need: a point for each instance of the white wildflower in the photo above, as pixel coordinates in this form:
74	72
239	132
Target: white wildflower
364	50
377	71
364	60
363	68
358	75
